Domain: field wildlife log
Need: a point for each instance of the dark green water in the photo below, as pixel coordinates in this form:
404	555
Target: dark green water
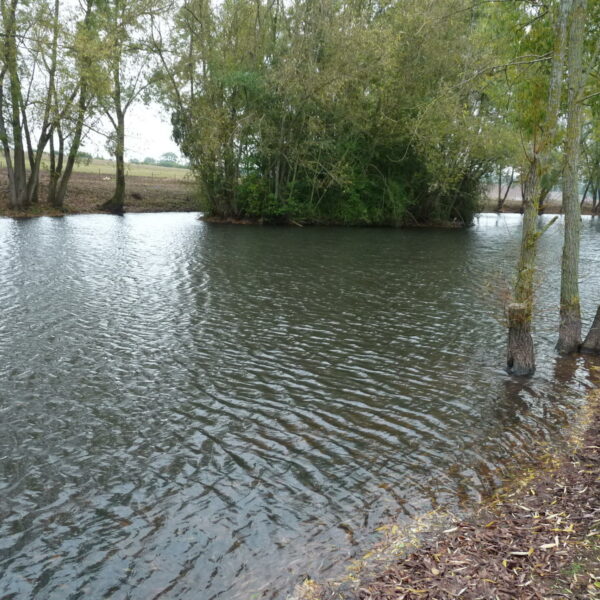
193	411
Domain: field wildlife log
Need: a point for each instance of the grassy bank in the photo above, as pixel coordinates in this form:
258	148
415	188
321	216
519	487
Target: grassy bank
539	537
88	190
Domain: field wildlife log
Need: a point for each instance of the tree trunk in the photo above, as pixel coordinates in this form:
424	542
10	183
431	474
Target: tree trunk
521	356
502	198
591	345
56	169
569	336
520	351
61	192
116	203
499	204
18	198
585	193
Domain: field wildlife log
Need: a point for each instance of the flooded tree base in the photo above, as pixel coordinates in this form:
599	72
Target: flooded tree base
539	540
591	345
520	356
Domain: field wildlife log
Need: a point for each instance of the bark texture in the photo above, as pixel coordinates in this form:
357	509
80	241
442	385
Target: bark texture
569	338
591	345
520	358
520	351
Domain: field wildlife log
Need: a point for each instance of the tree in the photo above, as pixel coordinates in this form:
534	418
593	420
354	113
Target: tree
569	339
83	82
37	64
127	64
539	121
168	159
329	112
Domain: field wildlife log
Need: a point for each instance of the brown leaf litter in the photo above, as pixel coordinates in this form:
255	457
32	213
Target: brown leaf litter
540	540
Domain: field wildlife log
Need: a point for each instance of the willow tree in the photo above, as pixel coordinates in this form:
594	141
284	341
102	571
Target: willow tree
569	339
80	80
323	111
540	105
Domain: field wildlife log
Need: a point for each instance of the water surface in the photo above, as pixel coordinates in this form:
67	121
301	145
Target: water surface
194	411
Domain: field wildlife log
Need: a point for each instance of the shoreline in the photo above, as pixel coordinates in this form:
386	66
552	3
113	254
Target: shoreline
57	213
537	536
176	196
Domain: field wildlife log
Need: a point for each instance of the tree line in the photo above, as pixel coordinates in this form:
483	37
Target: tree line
65	66
356	112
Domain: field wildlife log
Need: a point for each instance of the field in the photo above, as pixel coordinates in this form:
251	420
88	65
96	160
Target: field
149	189
99	166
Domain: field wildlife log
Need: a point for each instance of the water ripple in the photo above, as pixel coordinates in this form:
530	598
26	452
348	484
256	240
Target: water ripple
199	411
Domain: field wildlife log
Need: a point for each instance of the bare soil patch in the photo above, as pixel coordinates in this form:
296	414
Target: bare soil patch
87	191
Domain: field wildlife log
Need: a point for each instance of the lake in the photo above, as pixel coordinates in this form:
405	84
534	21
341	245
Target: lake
200	411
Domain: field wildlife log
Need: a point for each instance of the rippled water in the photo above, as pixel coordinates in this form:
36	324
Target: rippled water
194	411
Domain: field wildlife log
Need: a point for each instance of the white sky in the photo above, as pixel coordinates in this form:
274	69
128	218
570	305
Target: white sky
147	133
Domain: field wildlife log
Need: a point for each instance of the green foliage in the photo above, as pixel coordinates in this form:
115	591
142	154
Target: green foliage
332	113
83	158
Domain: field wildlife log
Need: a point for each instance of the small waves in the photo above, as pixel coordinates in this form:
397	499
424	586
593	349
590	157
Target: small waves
203	411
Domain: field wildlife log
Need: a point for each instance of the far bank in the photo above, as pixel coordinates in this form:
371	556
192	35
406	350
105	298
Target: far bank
87	191
158	193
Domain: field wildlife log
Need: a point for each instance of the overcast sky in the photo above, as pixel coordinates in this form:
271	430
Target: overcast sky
147	133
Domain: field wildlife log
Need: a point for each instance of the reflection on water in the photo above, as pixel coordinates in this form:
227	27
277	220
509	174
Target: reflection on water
203	411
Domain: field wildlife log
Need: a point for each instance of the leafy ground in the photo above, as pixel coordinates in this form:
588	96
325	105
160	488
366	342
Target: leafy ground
538	539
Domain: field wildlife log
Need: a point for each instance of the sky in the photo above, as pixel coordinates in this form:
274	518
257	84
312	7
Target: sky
147	133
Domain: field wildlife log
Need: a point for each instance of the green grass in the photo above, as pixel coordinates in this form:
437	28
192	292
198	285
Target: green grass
107	167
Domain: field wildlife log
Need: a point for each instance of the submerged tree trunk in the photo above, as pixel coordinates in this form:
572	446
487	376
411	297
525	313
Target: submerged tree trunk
520	350
521	356
591	345
569	337
520	359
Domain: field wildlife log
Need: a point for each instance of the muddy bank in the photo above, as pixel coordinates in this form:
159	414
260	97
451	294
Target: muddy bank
538	538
